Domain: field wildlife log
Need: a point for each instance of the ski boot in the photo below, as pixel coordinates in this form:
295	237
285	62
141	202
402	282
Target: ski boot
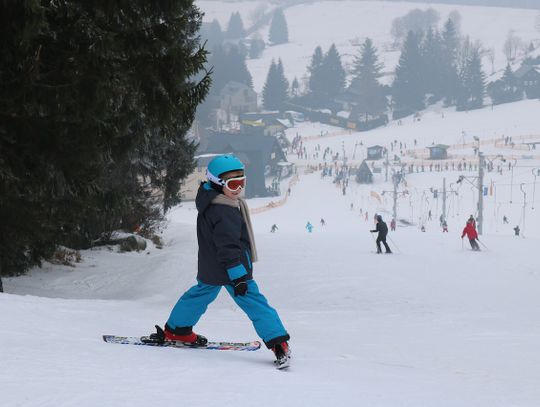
161	336
283	355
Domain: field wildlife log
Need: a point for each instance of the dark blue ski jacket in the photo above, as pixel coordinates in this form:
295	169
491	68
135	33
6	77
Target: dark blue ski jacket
224	249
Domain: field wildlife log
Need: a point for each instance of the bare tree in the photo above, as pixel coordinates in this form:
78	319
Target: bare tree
511	46
258	13
490	54
455	16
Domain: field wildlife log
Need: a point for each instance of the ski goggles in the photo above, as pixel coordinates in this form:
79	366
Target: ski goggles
234	184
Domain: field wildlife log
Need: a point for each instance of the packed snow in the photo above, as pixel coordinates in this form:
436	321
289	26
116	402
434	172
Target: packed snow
434	324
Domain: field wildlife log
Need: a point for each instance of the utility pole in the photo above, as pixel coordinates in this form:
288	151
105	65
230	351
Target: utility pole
524	205
480	192
386	175
394	209
444	199
535	171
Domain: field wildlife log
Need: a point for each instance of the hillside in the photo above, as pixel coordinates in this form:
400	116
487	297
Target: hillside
348	23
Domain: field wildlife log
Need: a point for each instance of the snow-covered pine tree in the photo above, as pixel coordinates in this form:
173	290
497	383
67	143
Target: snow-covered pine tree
84	137
295	87
472	89
213	34
256	47
275	91
235	28
506	89
279	33
408	87
369	95
449	62
432	65
316	84
228	64
332	74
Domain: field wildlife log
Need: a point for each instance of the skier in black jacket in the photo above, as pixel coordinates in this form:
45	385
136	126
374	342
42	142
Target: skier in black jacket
383	231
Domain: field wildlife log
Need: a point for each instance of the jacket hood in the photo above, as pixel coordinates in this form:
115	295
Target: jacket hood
205	195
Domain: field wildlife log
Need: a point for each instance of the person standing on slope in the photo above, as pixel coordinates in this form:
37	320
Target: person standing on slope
226	255
471	233
382	228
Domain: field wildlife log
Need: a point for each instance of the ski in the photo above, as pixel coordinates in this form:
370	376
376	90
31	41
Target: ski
147	341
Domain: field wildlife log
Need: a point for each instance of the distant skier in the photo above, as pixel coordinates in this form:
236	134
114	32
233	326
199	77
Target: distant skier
505	219
472	235
444	226
383	231
429	215
309	227
274	228
393	225
323	223
516	230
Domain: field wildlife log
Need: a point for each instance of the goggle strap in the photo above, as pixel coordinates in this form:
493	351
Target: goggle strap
214	179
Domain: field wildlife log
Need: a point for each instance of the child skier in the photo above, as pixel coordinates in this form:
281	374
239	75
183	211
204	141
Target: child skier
274	228
226	252
471	233
444	226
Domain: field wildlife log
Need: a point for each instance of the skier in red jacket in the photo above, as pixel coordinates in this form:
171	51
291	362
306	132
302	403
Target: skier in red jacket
471	233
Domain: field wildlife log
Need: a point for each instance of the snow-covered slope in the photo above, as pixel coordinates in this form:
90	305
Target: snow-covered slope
433	324
348	23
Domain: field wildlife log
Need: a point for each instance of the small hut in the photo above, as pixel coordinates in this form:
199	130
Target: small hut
438	152
375	152
364	174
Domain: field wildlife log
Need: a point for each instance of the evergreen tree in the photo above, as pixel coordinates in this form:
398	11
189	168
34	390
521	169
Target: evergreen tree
235	29
256	48
408	86
92	128
449	56
275	91
332	74
506	89
228	64
472	89
432	67
213	35
295	87
315	71
369	95
279	33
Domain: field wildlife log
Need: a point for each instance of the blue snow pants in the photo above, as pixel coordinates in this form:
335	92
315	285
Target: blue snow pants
193	304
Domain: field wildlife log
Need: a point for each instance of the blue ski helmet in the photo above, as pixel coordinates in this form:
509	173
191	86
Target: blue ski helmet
222	164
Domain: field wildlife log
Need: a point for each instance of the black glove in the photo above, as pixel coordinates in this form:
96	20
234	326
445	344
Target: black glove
373	231
240	286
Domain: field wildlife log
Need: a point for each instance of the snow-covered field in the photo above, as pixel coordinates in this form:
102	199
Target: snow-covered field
434	324
348	23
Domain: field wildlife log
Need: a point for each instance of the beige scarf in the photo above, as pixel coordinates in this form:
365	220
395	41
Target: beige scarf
244	210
